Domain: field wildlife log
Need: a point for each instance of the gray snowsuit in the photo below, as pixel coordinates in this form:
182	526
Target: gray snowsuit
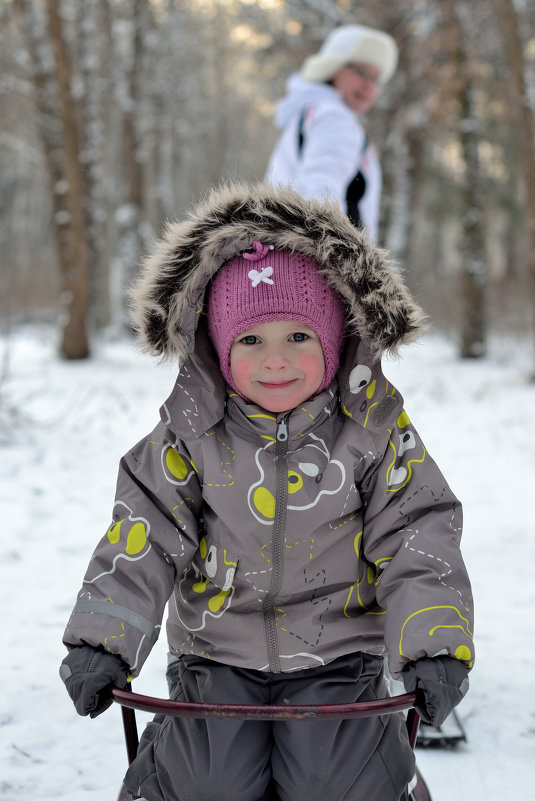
283	543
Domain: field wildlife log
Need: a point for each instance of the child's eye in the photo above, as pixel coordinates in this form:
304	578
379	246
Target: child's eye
250	339
299	336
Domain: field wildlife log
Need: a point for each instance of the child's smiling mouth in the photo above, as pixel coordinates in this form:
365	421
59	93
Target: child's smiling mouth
277	384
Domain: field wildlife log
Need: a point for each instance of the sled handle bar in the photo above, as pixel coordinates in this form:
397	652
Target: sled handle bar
130	701
180	709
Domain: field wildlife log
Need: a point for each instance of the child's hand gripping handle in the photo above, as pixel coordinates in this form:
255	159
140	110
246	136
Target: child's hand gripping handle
440	683
89	674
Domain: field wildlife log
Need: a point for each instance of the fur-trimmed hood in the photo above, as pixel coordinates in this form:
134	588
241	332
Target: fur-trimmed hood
168	297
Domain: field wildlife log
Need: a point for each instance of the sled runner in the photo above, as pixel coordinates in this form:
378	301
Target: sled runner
447	735
131	701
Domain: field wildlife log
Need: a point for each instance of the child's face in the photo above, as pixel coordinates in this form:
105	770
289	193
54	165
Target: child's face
277	365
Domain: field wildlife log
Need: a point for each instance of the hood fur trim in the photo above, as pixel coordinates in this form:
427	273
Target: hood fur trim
168	296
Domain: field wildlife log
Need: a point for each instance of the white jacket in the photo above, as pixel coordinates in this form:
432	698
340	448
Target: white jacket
334	149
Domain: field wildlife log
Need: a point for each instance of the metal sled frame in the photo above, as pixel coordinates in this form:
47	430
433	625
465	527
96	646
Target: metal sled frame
131	701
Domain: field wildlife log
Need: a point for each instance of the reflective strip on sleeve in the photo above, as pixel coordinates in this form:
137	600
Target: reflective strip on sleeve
112	610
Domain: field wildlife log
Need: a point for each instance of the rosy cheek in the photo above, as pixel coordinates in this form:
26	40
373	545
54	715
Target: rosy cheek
241	368
312	366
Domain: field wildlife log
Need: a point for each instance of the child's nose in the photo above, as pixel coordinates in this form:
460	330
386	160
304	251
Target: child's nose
275	359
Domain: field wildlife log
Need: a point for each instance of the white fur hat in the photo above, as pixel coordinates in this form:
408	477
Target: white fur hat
349	44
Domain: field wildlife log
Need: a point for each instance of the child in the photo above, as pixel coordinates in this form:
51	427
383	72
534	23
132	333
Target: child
286	508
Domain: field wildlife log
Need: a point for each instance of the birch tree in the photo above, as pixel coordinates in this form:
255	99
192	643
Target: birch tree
45	89
93	25
130	213
524	115
472	245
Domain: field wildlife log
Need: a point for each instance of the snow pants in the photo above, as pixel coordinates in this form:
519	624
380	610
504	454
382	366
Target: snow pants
184	759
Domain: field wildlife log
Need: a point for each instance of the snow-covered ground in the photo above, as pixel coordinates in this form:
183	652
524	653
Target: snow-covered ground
63	427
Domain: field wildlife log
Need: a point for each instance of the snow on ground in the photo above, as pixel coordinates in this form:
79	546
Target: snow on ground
63	428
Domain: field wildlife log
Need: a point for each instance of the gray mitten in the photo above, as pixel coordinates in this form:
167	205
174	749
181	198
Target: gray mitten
440	681
89	674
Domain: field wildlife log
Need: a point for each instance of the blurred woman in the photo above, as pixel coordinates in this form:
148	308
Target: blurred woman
323	150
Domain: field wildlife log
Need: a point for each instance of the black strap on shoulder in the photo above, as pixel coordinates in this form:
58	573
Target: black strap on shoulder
301	132
355	192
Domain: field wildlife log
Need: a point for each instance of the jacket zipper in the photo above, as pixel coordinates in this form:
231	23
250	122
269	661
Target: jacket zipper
277	546
443	674
95	659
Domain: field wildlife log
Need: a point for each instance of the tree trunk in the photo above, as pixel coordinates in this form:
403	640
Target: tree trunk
93	22
524	114
46	100
474	268
130	216
473	287
74	344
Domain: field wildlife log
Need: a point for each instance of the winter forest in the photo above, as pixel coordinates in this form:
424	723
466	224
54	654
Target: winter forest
116	114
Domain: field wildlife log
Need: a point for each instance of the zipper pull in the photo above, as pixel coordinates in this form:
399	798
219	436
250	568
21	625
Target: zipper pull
282	429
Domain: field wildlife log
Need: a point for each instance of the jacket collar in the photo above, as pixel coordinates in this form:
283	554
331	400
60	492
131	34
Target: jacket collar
256	421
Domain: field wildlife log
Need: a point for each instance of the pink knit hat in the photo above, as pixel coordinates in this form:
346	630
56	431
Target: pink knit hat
265	285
